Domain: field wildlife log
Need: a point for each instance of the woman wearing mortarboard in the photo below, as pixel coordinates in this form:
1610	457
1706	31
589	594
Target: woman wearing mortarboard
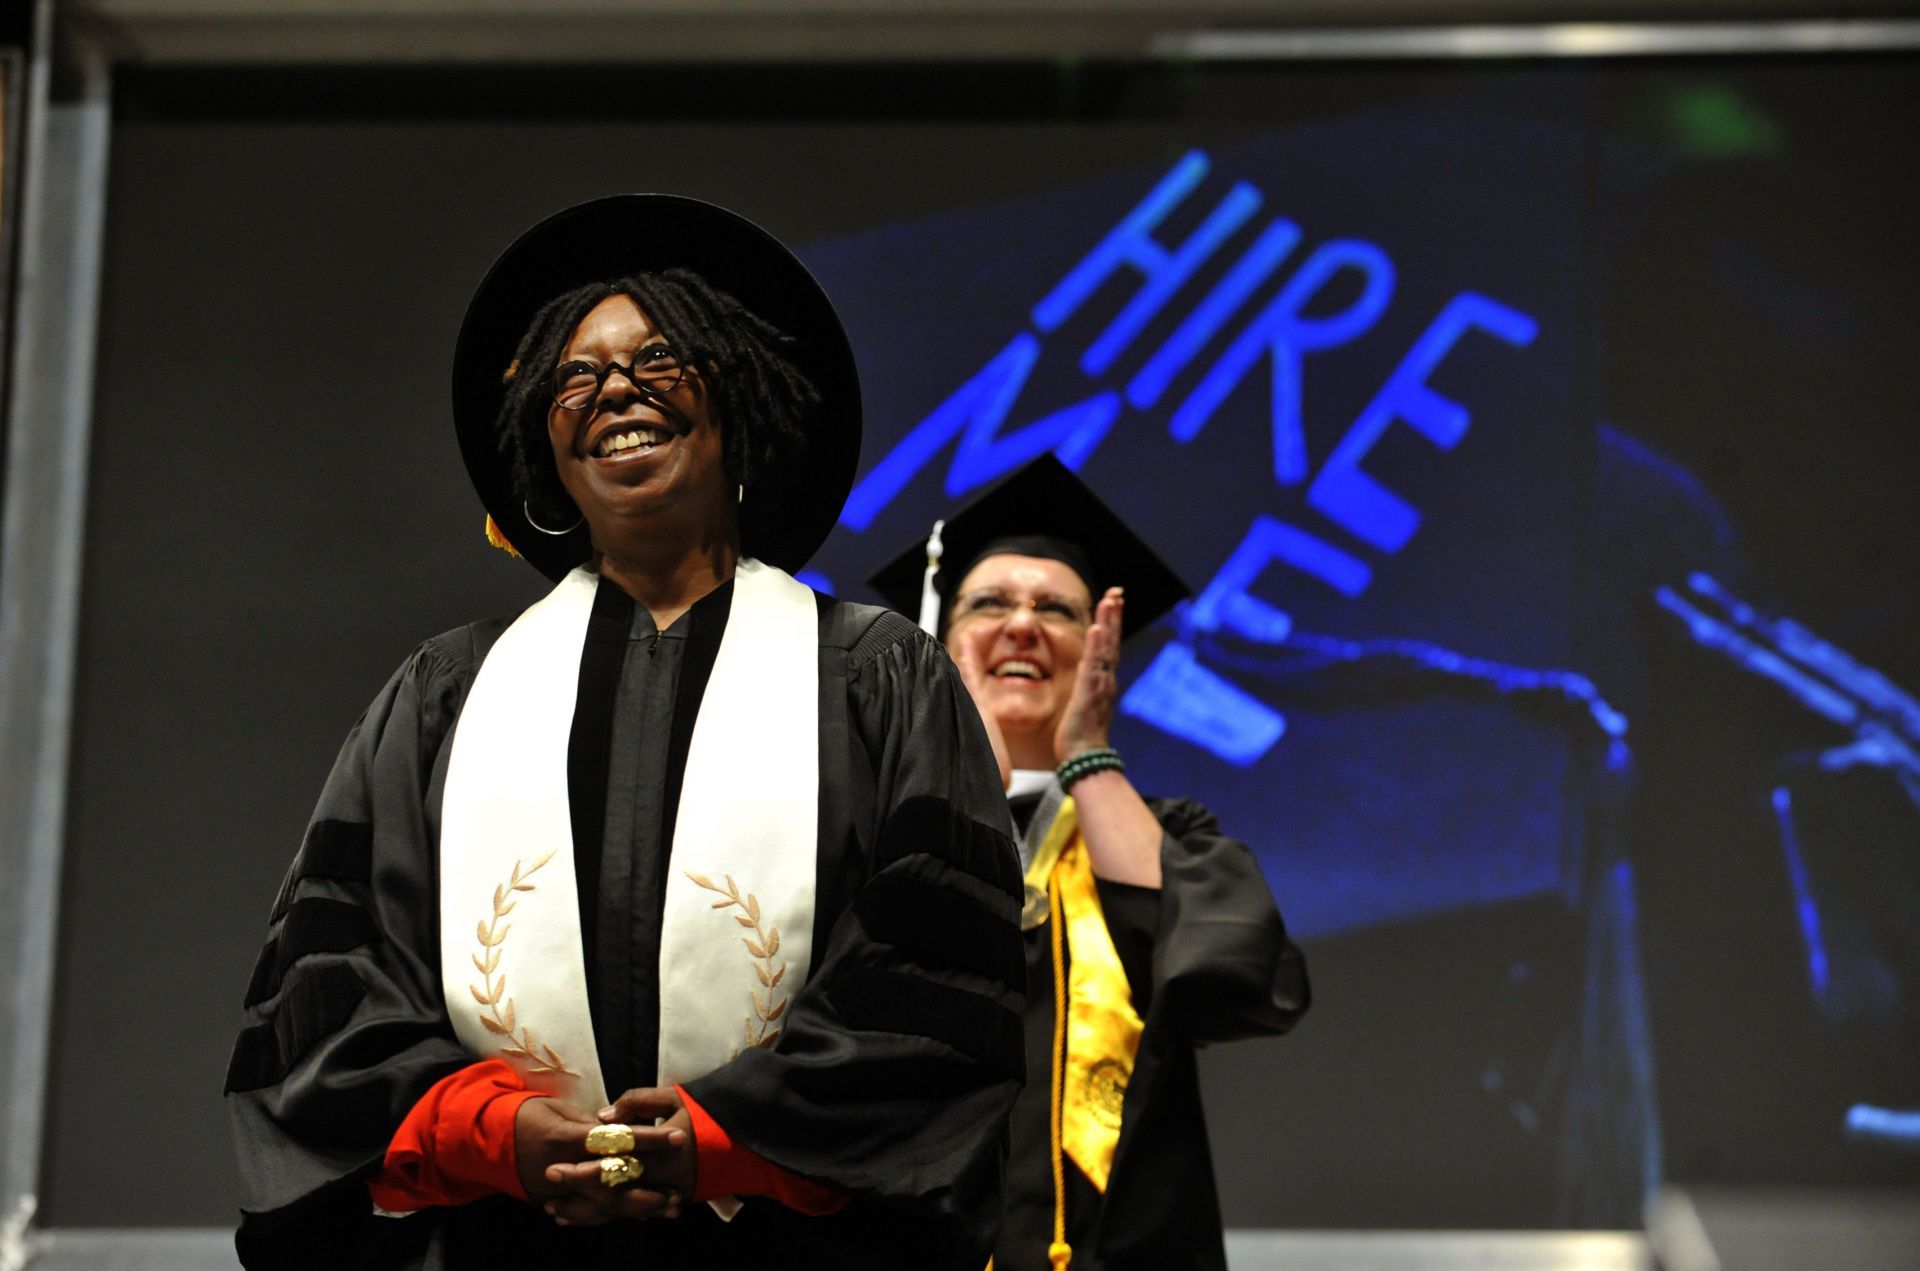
672	924
1154	929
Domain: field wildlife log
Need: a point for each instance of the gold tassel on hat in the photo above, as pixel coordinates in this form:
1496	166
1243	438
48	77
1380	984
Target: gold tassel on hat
499	540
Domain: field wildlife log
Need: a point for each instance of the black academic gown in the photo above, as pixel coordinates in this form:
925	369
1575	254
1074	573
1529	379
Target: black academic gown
900	1056
1207	959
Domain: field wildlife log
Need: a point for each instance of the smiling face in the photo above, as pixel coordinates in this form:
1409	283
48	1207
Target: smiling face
1030	650
630	460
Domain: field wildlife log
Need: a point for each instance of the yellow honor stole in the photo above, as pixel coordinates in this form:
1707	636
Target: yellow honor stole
1096	1031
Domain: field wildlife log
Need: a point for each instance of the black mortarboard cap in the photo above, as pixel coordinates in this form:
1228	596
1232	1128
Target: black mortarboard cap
1041	510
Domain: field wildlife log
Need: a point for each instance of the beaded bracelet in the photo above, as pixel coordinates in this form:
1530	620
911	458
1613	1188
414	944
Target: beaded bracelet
1086	763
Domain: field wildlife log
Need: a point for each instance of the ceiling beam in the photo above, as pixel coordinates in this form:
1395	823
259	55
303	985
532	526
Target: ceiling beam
362	32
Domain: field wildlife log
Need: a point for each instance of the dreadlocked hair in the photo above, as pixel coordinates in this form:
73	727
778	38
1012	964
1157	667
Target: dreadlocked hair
760	399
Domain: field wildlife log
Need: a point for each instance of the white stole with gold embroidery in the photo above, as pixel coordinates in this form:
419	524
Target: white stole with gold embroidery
737	932
510	959
737	939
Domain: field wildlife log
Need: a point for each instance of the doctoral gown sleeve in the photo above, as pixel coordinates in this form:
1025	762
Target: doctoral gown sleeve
1223	967
344	1025
894	1076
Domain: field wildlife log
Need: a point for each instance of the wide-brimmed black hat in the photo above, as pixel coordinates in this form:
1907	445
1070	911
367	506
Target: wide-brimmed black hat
1043	510
627	234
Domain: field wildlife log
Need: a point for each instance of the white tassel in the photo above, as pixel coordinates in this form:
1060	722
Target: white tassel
929	594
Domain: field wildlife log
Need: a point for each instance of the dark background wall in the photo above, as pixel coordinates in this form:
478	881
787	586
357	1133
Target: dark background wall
1544	977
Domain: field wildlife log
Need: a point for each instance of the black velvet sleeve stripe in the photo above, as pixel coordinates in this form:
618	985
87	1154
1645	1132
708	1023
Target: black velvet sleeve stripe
316	924
341	850
878	1000
314	1008
935	925
930	825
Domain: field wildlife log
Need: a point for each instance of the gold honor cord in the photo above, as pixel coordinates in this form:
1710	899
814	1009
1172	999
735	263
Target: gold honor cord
1059	1253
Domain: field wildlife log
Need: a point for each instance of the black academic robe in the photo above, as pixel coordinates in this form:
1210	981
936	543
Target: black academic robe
1207	959
900	1057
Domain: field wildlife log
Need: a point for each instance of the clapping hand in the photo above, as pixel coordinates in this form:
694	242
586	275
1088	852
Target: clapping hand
1087	723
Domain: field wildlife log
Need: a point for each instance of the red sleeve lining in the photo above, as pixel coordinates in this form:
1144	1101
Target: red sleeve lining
456	1144
729	1169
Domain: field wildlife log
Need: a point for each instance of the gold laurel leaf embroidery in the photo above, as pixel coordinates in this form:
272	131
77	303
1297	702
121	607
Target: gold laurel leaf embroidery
529	872
764	946
499	1019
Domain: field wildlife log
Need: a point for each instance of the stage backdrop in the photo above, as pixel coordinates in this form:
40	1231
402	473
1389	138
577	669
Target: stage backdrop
1538	443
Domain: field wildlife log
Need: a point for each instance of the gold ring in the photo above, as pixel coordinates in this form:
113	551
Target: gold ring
610	1140
618	1171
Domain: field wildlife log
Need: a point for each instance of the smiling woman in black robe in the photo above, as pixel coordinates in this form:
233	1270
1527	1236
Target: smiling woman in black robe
862	1122
1148	930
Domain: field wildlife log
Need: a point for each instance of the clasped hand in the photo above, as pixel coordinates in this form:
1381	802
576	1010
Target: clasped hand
563	1177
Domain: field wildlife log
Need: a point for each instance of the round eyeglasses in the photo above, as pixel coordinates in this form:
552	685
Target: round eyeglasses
655	370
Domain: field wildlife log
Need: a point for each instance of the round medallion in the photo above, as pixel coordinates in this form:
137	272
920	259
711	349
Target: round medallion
1107	1090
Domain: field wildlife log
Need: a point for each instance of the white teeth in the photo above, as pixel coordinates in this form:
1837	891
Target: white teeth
632	439
1020	669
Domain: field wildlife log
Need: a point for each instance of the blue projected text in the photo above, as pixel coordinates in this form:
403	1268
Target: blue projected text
1177	693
